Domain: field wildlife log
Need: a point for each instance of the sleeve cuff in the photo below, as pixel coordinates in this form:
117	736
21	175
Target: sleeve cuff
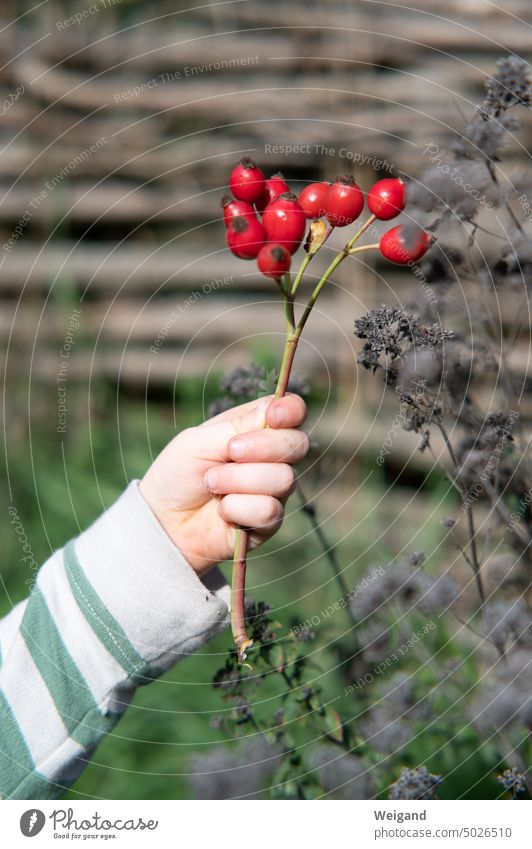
148	588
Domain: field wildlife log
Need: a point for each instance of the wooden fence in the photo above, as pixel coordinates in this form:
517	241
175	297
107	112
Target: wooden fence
117	137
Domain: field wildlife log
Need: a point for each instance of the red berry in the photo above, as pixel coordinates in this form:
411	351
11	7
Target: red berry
312	199
285	222
387	198
247	181
275	186
397	247
273	260
245	237
233	208
344	202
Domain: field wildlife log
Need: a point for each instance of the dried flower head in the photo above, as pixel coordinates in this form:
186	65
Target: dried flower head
485	136
375	640
341	774
441	187
305	634
513	781
487	133
385	734
416	783
232	773
507	698
408	585
245	383
449	521
389	333
509	86
258	621
508	623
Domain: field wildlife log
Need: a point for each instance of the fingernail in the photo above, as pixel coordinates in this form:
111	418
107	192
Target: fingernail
238	449
210	479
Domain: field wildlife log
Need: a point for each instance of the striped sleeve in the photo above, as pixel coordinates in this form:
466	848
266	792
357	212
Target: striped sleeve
111	611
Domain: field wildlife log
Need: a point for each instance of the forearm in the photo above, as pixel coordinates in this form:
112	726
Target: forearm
111	611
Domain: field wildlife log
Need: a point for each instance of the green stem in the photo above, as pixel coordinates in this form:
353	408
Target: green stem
306	260
238	615
280	287
348	250
315	294
290	348
362	230
289	313
327	547
302	268
374	247
293	335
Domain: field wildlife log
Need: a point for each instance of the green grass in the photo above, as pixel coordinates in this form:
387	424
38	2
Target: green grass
59	488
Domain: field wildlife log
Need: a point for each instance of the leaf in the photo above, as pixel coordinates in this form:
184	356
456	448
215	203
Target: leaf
276	657
291	652
268	384
291	710
333	725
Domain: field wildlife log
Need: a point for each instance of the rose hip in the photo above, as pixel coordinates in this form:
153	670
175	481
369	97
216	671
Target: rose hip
387	198
344	202
273	260
233	208
404	247
247	180
312	199
284	222
275	186
245	237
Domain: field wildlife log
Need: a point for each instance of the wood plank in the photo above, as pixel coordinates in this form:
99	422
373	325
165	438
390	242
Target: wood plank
141	367
200	318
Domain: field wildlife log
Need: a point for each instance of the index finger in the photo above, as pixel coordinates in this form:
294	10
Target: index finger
288	411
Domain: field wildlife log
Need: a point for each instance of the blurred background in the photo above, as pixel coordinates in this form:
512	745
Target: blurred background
121	307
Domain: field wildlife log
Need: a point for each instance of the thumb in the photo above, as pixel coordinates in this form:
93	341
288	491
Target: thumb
219	430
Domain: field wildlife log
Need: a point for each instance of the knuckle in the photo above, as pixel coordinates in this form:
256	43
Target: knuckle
224	508
305	444
287	479
273	511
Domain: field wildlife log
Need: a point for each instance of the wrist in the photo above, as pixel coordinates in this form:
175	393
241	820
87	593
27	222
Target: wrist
135	587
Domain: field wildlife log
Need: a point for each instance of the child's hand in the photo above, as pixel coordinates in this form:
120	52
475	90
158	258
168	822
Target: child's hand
228	471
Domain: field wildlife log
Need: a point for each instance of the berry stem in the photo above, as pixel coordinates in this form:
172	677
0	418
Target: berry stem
238	613
313	298
283	287
362	230
289	314
361	248
307	259
280	286
289	353
293	335
301	271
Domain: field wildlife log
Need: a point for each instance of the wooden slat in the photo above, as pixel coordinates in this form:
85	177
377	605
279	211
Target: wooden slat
141	367
183	318
379	80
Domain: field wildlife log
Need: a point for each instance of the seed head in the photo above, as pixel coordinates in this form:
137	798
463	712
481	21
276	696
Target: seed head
416	783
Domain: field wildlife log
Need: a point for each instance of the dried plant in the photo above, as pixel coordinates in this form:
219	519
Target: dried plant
433	659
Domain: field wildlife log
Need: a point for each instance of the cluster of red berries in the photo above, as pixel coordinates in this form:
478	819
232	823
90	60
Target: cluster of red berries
273	239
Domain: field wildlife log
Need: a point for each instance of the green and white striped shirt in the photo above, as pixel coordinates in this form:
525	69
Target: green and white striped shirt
112	610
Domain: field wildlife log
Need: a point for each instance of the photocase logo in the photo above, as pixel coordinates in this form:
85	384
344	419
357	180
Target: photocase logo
32	822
